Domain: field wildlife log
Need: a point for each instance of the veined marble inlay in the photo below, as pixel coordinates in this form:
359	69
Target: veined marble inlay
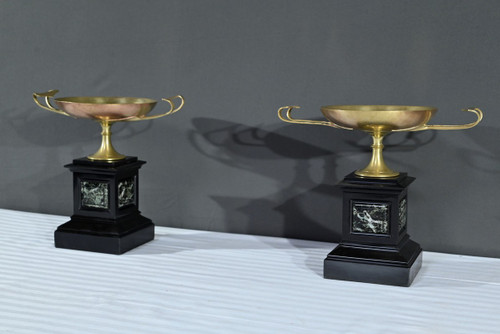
126	192
370	218
95	194
402	214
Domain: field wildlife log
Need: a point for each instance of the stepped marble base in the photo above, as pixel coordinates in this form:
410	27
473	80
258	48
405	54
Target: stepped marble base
106	216
375	245
391	266
94	235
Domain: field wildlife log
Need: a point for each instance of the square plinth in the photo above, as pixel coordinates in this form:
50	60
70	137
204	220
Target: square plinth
106	216
375	245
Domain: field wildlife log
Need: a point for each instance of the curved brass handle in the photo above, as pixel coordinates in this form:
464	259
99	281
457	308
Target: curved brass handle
47	96
171	111
476	111
288	118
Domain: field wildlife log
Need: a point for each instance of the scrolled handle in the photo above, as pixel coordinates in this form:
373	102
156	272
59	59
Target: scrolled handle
477	111
289	119
172	110
47	96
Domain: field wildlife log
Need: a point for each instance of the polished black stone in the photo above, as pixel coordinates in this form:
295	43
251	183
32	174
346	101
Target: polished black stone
372	264
113	237
106	216
375	245
111	174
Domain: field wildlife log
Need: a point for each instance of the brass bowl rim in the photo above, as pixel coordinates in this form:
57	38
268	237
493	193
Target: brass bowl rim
104	100
378	107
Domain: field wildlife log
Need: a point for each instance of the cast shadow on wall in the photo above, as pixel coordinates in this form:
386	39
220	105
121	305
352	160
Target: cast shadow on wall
485	160
303	207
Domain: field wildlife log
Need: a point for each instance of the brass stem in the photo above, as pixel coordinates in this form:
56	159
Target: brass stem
377	167
106	152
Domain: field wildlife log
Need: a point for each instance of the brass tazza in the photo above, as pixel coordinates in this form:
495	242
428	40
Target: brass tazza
378	121
106	111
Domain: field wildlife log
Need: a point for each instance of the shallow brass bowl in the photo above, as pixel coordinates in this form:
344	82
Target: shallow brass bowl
384	117
106	110
104	107
378	121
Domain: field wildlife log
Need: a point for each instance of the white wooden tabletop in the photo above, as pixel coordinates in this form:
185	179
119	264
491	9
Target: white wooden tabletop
188	281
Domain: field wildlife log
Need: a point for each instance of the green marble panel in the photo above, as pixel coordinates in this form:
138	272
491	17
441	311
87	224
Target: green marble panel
370	218
402	214
95	194
126	192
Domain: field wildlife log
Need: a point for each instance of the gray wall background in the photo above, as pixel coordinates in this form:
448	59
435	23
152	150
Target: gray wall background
225	162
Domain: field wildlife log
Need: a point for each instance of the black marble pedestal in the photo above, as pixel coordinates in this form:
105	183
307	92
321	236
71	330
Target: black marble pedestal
375	245
106	216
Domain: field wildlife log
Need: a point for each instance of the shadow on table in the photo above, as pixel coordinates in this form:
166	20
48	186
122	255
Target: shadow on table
311	254
315	256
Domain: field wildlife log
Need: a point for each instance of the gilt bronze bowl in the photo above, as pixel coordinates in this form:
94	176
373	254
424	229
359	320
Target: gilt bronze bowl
106	110
378	121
